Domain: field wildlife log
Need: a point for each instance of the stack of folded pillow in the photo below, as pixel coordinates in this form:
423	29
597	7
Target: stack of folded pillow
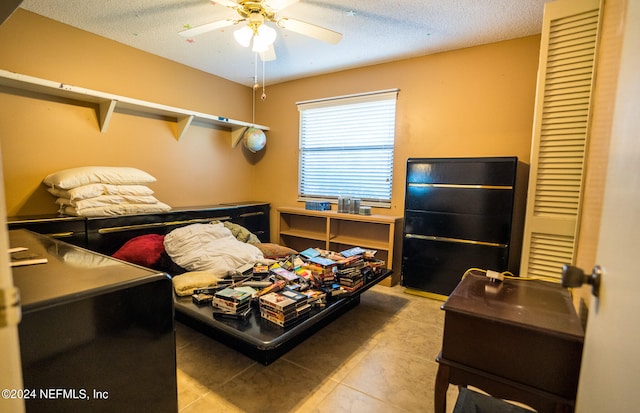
103	191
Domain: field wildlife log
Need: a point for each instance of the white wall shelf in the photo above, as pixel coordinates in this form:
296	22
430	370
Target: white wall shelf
106	104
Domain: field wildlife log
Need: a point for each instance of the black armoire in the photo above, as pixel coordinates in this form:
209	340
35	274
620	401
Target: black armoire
461	213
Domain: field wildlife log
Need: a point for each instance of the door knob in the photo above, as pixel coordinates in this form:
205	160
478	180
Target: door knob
575	277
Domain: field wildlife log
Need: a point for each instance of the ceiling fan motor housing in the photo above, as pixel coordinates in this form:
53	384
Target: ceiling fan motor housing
255	10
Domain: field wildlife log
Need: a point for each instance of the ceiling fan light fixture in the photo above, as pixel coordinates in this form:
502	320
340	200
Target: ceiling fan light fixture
258	46
263	39
263	36
243	36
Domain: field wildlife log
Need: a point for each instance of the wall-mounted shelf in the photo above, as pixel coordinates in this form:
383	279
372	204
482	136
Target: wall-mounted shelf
106	104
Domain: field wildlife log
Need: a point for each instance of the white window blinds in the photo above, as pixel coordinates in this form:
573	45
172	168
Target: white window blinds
346	147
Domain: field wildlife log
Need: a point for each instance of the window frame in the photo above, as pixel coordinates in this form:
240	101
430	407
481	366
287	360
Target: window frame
383	146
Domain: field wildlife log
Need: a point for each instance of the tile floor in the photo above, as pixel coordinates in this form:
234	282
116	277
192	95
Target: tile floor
378	357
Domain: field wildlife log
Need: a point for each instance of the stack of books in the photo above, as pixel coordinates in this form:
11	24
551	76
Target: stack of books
315	298
283	274
351	281
323	270
260	272
284	307
350	274
232	303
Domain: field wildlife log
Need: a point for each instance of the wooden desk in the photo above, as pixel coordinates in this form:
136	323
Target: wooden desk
518	340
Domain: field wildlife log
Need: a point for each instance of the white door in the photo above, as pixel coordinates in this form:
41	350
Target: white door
11	369
610	372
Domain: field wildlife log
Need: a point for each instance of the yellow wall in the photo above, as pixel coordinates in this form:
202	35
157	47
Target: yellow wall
40	136
471	102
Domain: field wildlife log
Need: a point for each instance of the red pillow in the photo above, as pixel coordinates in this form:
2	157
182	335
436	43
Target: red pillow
144	250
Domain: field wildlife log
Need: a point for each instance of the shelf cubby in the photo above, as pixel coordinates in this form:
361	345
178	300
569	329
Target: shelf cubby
300	228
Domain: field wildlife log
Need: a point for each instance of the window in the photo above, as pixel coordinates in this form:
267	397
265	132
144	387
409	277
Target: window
346	147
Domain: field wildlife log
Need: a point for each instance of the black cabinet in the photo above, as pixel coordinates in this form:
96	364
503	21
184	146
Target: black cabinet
67	229
106	234
97	334
254	216
461	213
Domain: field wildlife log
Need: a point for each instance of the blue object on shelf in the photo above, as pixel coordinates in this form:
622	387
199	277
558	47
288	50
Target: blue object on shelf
317	206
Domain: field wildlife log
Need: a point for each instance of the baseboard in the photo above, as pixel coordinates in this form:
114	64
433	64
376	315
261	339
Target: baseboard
426	294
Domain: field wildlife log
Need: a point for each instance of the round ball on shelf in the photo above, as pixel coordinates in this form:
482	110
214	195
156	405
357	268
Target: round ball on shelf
254	139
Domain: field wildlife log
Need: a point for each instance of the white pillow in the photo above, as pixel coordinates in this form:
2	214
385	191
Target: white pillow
94	190
107	200
110	210
119	175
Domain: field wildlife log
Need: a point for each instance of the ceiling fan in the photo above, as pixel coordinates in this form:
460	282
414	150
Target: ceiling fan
256	13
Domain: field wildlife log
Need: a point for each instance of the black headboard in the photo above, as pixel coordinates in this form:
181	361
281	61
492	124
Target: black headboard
107	234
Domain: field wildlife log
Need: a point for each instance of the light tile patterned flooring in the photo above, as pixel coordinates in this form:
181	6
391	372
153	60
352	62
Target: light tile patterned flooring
378	357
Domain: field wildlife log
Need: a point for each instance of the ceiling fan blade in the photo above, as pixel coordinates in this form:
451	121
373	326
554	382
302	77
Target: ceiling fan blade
310	30
226	3
278	5
268	55
194	31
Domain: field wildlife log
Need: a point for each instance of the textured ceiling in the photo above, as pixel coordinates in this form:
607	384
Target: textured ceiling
374	31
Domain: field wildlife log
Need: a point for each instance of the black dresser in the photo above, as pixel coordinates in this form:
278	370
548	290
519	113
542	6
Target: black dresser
461	213
97	334
106	234
65	228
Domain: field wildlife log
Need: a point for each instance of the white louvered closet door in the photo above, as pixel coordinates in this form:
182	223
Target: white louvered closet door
560	135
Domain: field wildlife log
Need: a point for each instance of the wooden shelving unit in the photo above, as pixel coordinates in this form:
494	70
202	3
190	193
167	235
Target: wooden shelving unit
299	229
106	104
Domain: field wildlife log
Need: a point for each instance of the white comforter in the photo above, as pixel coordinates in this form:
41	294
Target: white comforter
209	247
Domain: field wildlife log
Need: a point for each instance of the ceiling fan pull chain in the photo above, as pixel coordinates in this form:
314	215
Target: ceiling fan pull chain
255	87
264	92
